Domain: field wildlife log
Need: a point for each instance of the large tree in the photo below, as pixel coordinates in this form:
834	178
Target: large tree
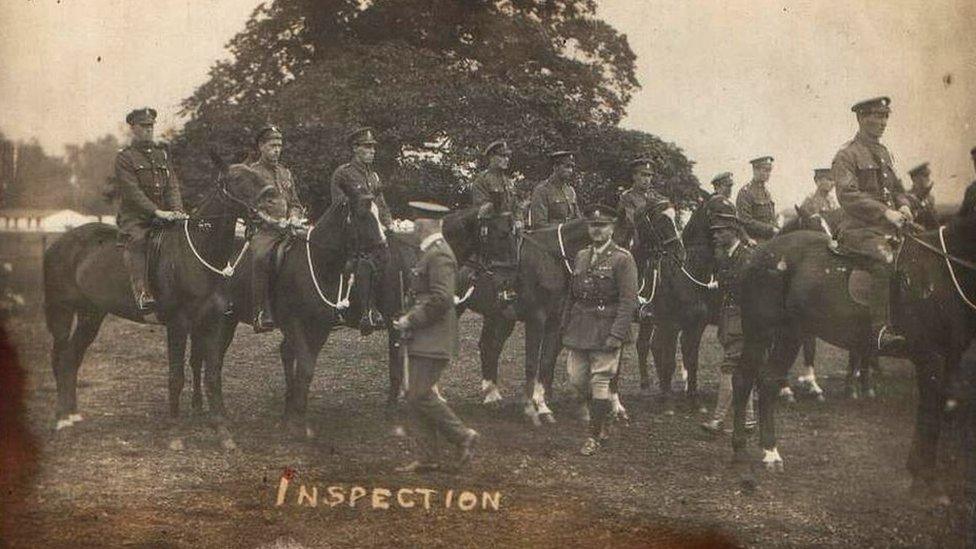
437	79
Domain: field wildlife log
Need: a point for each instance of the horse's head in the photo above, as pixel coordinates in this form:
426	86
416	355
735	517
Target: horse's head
461	231
656	231
242	189
352	225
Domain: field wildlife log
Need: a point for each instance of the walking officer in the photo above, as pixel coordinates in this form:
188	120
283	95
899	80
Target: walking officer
875	205
149	193
278	211
596	325
430	333
757	211
554	200
356	182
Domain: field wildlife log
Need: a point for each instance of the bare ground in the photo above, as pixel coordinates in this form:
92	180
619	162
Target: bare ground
112	480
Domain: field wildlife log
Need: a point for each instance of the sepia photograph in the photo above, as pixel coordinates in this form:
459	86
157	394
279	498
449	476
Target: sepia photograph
289	274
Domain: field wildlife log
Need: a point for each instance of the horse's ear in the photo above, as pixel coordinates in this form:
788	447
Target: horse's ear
799	210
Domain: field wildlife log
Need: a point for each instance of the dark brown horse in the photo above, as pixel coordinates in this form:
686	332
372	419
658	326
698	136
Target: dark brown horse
313	294
545	260
85	280
676	286
795	285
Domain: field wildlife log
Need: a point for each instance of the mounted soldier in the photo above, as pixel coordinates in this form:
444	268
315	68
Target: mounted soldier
597	320
279	210
874	200
756	208
920	198
642	194
821	200
554	200
499	220
969	198
149	193
357	183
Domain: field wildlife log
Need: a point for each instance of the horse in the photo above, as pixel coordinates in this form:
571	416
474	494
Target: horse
675	293
794	284
85	280
860	366
312	295
541	278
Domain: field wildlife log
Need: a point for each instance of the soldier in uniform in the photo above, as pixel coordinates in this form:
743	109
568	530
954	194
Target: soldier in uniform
969	199
430	335
874	200
596	325
554	200
356	181
697	233
149	191
821	201
731	252
279	210
494	193
641	194
920	197
757	212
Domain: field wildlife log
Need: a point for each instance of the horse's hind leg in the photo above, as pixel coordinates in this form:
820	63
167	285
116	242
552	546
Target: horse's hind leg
643	345
288	364
928	421
197	352
868	364
808	379
59	321
770	375
690	345
85	331
663	347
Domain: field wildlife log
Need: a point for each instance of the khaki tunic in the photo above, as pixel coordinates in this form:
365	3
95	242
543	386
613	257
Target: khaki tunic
355	179
603	298
146	182
757	211
552	203
431	317
487	183
283	203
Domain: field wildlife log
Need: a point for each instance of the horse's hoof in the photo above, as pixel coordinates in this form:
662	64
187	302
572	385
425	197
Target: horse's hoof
772	461
309	433
63	423
821	398
399	431
176	445
951	405
669	412
492	397
228	444
548	418
75	418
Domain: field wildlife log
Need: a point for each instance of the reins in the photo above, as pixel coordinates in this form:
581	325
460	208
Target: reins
949	260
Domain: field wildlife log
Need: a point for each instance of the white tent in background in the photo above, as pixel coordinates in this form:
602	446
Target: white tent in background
46	220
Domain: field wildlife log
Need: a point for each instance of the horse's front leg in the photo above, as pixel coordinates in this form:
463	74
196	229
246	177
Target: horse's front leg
534	328
177	331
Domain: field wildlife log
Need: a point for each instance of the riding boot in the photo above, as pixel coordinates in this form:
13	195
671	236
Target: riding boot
371	319
263	320
883	337
134	255
599	410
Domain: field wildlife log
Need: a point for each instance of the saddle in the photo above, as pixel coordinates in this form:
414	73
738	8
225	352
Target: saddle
858	278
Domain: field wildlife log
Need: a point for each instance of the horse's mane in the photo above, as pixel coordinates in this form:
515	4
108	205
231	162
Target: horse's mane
961	236
330	223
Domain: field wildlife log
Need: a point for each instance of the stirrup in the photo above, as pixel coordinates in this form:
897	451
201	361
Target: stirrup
145	302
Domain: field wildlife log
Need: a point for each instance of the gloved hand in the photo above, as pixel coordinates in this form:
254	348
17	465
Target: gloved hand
167	215
895	217
401	323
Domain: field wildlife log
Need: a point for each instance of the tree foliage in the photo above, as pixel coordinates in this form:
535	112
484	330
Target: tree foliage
437	79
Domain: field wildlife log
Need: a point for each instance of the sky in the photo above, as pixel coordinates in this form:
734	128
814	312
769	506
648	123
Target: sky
726	81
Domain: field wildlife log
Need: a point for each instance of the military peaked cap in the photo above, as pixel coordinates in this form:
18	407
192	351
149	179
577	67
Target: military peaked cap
144	115
761	160
876	104
499	147
921	169
600	214
361	136
722	179
822	172
428	210
556	156
722	220
268	133
972	151
640	162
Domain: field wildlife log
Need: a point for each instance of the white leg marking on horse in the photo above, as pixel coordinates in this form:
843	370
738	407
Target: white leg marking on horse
62	424
493	395
75	418
486	385
786	392
618	407
781	266
772	460
437	393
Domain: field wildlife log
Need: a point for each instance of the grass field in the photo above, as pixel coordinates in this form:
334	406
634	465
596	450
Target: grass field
112	480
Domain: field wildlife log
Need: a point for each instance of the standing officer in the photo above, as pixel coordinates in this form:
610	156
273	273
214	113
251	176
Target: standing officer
554	200
430	334
357	182
920	197
731	252
642	194
821	201
969	199
597	319
279	210
149	192
757	212
874	200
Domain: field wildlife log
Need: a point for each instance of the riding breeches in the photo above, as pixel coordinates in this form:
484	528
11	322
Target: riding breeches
590	372
262	244
133	235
